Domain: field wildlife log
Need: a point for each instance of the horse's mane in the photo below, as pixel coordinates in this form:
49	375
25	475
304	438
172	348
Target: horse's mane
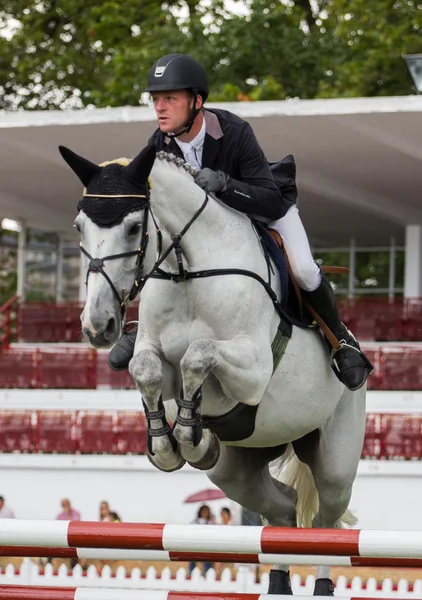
180	163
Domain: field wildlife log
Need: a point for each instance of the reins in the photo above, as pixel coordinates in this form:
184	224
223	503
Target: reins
97	264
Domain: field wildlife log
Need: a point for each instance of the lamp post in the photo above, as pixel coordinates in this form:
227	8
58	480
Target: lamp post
414	66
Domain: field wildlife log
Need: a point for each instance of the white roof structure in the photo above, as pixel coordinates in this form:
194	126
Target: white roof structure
358	161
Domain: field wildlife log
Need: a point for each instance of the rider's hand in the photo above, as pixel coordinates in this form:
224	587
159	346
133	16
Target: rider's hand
211	181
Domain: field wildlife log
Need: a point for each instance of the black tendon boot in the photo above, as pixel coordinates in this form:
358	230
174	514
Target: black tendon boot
122	351
349	363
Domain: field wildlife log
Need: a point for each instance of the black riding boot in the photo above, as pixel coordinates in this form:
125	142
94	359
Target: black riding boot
349	363
122	352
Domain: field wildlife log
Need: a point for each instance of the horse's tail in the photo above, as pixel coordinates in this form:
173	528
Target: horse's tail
296	474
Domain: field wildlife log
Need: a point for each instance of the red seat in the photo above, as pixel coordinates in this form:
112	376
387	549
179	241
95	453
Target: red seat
401	369
69	368
73	322
131	433
394	436
106	377
96	434
413	319
42	322
373	446
18	369
17	432
412	437
56	433
373	356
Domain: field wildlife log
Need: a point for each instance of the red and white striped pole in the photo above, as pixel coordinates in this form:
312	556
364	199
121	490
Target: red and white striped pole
18	592
222	557
217	538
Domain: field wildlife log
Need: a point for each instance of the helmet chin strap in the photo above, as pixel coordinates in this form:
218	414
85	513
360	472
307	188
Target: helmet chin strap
188	126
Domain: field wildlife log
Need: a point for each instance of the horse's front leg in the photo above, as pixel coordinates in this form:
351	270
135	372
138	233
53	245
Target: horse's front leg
146	370
243	373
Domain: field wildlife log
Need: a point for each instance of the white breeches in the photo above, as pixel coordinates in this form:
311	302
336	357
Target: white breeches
304	268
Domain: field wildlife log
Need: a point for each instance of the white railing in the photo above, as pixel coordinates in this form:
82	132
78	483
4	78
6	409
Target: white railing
244	581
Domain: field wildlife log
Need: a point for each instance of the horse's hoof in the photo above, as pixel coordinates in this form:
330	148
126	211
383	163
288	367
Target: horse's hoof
211	456
167	462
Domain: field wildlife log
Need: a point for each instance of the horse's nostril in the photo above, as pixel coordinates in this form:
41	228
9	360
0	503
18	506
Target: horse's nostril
111	326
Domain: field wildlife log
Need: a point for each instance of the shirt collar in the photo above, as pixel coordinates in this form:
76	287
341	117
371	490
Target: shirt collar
197	141
212	127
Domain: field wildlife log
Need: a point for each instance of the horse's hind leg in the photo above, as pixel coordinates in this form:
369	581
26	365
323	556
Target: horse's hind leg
244	476
334	460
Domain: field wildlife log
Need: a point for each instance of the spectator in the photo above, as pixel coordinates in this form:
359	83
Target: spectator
203	517
105	511
114	517
226	516
226	519
5	511
68	513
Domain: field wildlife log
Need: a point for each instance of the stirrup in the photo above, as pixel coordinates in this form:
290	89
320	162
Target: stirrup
342	346
126	326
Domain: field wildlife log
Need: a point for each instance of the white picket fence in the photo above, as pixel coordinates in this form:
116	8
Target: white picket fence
243	581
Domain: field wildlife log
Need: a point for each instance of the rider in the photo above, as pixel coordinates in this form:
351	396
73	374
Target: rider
232	165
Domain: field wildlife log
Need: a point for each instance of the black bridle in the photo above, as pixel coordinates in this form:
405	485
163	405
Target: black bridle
97	264
183	275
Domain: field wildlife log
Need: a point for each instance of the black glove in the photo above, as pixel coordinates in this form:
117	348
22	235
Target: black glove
211	181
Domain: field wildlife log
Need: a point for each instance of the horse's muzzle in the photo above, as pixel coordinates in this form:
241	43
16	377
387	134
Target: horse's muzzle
102	334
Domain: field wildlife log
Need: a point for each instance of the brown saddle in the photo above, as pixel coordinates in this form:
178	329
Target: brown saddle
301	300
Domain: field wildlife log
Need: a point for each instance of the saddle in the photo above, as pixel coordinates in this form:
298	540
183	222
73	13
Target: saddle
295	301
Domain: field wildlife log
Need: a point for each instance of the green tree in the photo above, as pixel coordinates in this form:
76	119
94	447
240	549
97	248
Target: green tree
75	54
72	53
371	37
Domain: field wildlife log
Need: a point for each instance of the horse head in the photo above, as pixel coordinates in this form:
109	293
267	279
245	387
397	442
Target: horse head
113	224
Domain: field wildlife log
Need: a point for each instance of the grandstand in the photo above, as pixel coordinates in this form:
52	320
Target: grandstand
66	417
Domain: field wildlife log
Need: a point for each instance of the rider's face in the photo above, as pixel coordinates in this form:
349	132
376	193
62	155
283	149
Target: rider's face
172	109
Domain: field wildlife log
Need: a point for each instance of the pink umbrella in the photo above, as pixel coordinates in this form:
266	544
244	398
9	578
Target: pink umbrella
205	495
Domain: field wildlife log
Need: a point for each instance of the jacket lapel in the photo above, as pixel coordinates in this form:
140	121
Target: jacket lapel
212	142
210	152
213	137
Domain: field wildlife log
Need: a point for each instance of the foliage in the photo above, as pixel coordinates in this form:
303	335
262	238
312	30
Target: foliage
71	54
371	274
371	38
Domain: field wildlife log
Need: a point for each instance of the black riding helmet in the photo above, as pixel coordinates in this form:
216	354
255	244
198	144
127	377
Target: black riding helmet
179	72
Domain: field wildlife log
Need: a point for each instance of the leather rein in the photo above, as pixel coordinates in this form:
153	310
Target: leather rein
96	265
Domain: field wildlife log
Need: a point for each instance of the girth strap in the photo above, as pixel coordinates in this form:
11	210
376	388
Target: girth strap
279	345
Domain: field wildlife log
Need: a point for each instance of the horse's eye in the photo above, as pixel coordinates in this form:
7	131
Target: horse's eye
135	229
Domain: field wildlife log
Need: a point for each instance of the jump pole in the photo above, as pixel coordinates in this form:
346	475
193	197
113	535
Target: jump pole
223	557
217	538
17	592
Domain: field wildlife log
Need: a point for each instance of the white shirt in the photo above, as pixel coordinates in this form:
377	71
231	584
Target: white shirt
192	151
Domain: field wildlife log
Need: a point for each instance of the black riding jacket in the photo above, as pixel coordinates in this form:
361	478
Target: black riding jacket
231	146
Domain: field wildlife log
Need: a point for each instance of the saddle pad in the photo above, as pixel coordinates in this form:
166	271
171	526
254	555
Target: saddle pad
278	259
